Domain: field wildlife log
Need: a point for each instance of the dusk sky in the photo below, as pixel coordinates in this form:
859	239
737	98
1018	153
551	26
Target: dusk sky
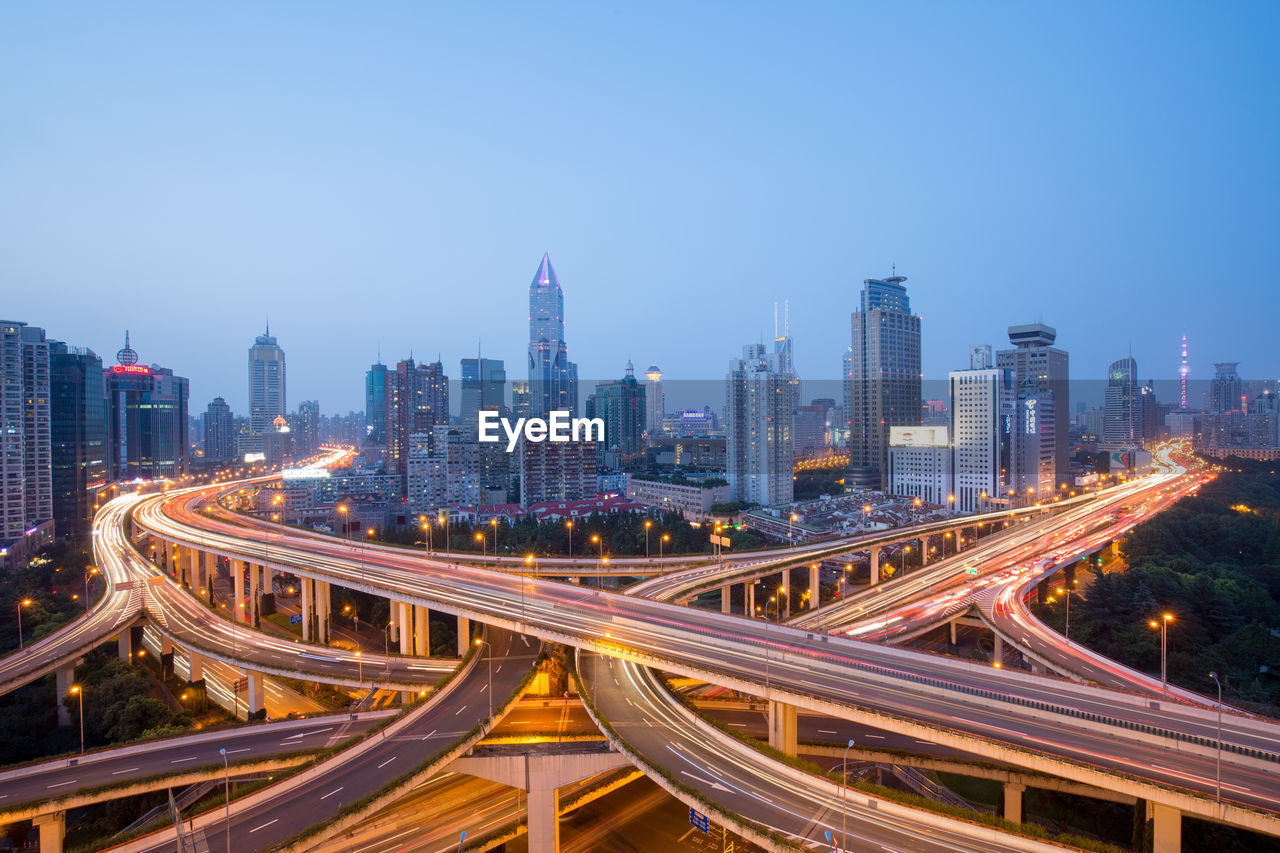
389	175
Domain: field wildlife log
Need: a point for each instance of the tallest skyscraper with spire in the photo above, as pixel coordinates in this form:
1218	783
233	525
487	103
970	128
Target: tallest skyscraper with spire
553	379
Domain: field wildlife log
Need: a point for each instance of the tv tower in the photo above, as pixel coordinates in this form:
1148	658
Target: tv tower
1184	370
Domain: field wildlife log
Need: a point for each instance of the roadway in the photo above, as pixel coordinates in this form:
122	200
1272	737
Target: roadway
291	806
1039	718
123	765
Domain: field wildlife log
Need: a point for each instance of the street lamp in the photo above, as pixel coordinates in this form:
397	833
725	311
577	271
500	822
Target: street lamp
647	525
346	528
360	669
494	523
1066	594
844	797
569	526
1214	676
666	537
75	689
489	658
528	561
791	539
26	602
1163	625
226	771
484	553
88	572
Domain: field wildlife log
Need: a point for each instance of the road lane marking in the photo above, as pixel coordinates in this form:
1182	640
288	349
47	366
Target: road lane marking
60	784
241	749
826	731
265	825
118	772
877	737
305	734
188	758
331	793
388	761
460	710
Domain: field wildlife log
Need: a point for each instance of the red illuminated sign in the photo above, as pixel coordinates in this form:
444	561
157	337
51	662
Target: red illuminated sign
133	369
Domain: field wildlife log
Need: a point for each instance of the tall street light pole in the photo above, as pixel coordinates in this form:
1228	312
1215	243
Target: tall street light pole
75	688
226	771
489	658
26	602
1214	676
844	798
647	525
1163	624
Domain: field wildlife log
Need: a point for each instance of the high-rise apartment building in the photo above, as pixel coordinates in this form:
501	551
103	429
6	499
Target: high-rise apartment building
760	404
1035	467
444	471
1122	417
375	404
417	401
521	399
484	386
1035	357
655	401
1226	389
553	379
920	462
620	403
147	423
266	383
304	427
219	432
556	471
26	487
78	432
982	406
884	376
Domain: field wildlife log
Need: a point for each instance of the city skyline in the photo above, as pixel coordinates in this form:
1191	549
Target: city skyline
1092	201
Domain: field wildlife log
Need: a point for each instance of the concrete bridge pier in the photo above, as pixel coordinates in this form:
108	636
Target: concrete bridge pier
725	606
308	607
1013	792
815	586
421	631
783	734
257	696
749	599
464	635
65	678
997	650
873	555
324	603
52	828
404	619
784	596
541	776
1166	828
195	663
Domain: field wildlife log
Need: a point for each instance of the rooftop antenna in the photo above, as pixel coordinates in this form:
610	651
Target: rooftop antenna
786	317
775	320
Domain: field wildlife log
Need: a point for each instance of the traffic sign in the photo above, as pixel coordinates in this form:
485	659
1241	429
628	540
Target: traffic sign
699	821
295	619
722	541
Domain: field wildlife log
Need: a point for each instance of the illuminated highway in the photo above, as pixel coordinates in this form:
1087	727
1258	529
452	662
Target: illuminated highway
1036	720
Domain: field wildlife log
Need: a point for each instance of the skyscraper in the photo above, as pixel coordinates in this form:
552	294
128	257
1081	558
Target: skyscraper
146	419
78	433
484	386
1184	372
521	399
375	404
982	406
620	403
1226	389
1035	357
1121	421
655	401
553	379
760	406
417	402
219	432
884	376
26	487
266	383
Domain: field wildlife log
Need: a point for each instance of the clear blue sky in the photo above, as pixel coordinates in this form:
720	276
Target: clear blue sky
390	174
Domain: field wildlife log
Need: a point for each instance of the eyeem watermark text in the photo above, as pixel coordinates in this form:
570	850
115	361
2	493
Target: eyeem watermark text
558	427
